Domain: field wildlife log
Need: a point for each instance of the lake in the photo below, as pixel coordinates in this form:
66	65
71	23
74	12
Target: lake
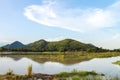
19	66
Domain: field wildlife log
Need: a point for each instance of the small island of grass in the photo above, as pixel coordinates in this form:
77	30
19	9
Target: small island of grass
117	62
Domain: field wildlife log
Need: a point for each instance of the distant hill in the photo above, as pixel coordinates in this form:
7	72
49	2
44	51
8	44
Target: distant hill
14	45
58	46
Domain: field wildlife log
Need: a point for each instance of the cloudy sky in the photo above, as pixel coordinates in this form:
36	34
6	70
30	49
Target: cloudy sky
89	21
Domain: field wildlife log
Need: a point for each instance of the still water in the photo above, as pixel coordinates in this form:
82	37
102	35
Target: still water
100	65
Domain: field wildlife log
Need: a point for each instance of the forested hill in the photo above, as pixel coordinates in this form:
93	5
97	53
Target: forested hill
61	46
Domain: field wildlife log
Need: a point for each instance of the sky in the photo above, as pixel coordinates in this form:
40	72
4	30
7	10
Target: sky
89	21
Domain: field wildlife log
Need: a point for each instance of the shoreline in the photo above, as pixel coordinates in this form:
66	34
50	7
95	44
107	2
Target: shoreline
74	75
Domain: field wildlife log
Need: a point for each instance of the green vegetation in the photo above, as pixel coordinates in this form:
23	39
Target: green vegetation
11	76
81	75
117	62
62	46
74	75
66	45
14	77
78	73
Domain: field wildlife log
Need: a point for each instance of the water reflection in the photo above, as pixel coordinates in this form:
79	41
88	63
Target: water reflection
19	66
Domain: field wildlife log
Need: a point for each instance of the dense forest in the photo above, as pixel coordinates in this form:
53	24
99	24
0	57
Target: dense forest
57	46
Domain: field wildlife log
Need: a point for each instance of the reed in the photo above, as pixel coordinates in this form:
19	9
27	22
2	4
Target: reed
29	70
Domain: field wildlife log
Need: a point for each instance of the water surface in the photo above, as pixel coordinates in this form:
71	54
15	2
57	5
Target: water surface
100	65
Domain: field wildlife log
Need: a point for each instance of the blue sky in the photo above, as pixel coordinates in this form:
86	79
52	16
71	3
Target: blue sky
89	21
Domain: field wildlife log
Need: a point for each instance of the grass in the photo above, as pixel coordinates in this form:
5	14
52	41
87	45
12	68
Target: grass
74	75
14	77
83	75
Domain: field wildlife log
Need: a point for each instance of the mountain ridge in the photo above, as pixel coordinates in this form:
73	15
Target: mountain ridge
61	46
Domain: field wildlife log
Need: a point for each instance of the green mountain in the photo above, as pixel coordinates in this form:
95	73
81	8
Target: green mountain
56	46
37	45
63	45
14	45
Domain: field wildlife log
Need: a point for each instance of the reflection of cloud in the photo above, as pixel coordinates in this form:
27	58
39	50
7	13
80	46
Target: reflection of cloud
81	20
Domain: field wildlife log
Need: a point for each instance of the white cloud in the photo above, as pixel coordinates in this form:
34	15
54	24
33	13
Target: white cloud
108	42
81	20
4	41
116	36
58	38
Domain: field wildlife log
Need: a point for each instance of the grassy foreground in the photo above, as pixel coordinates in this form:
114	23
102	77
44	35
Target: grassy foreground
74	75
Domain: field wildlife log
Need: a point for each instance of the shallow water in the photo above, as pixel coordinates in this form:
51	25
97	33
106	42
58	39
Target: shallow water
100	65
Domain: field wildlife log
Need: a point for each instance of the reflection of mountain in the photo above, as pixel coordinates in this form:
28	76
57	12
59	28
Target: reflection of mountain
12	58
65	62
47	59
16	58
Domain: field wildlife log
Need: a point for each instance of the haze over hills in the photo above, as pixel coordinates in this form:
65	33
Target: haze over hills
43	45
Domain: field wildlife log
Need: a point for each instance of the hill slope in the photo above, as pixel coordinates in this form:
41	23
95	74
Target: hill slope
37	45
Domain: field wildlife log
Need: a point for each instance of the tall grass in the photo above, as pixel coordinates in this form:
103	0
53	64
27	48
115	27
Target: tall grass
29	70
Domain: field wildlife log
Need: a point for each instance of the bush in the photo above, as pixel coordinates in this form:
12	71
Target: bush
75	77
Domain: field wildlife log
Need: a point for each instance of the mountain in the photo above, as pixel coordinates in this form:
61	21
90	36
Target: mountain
63	45
55	46
14	45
